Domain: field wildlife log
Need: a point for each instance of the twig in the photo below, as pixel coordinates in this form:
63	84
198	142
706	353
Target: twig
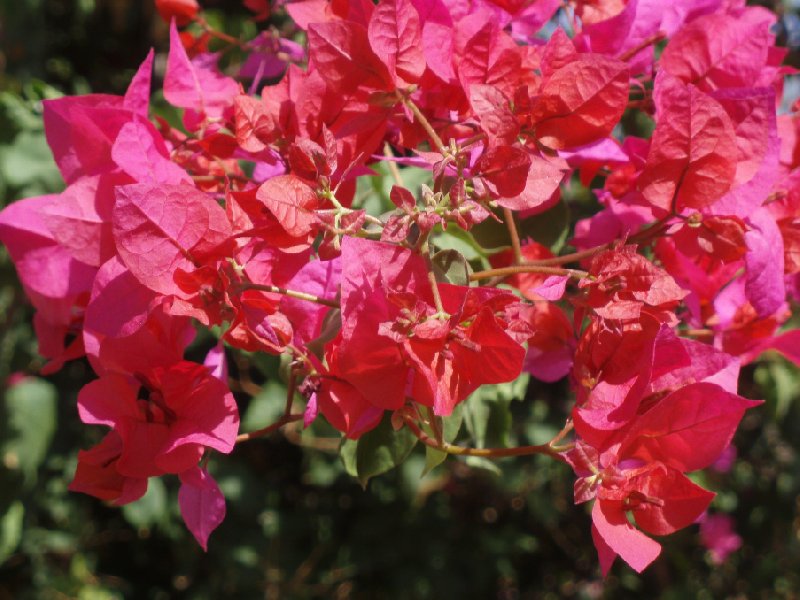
284	420
527	268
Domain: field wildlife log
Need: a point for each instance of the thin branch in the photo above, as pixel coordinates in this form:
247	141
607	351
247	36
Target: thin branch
291	293
527	268
641	237
387	152
483	452
287	410
698	333
437	297
653	39
426	125
438	434
508	217
219	34
284	420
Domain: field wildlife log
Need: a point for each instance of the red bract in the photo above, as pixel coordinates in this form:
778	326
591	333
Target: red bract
394	34
641	472
185	410
292	202
259	7
505	169
625	284
692	159
161	229
255	126
341	54
196	84
493	110
183	11
388	313
722	238
142	154
688	429
580	102
722	50
98	476
202	504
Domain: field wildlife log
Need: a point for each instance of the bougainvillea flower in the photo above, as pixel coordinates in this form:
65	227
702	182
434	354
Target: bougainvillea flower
389	314
201	502
98	476
625	285
693	154
184	409
196	84
641	470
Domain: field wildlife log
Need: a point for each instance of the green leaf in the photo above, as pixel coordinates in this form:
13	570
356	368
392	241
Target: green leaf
347	452
433	458
778	378
377	451
491	235
486	413
18	114
28	164
266	407
479	462
450	266
372	193
455	238
11	530
549	228
450	427
31	409
149	510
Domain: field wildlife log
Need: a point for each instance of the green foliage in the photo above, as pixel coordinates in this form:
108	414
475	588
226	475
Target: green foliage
450	266
449	426
30	411
377	451
26	163
549	228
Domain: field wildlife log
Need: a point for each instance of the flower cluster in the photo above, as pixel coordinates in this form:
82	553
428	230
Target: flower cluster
245	218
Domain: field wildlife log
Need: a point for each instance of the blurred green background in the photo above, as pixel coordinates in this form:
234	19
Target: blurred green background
298	526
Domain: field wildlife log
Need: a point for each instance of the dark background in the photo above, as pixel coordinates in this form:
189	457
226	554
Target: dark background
298	526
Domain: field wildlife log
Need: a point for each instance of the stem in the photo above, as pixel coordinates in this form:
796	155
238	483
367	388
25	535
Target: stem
699	333
426	125
641	237
473	140
387	152
573	257
526	268
568	426
484	452
438	434
219	34
284	420
291	293
215	178
653	39
437	297
508	217
645	235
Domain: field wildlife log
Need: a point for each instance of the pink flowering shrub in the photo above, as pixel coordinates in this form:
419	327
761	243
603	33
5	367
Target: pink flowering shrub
249	221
